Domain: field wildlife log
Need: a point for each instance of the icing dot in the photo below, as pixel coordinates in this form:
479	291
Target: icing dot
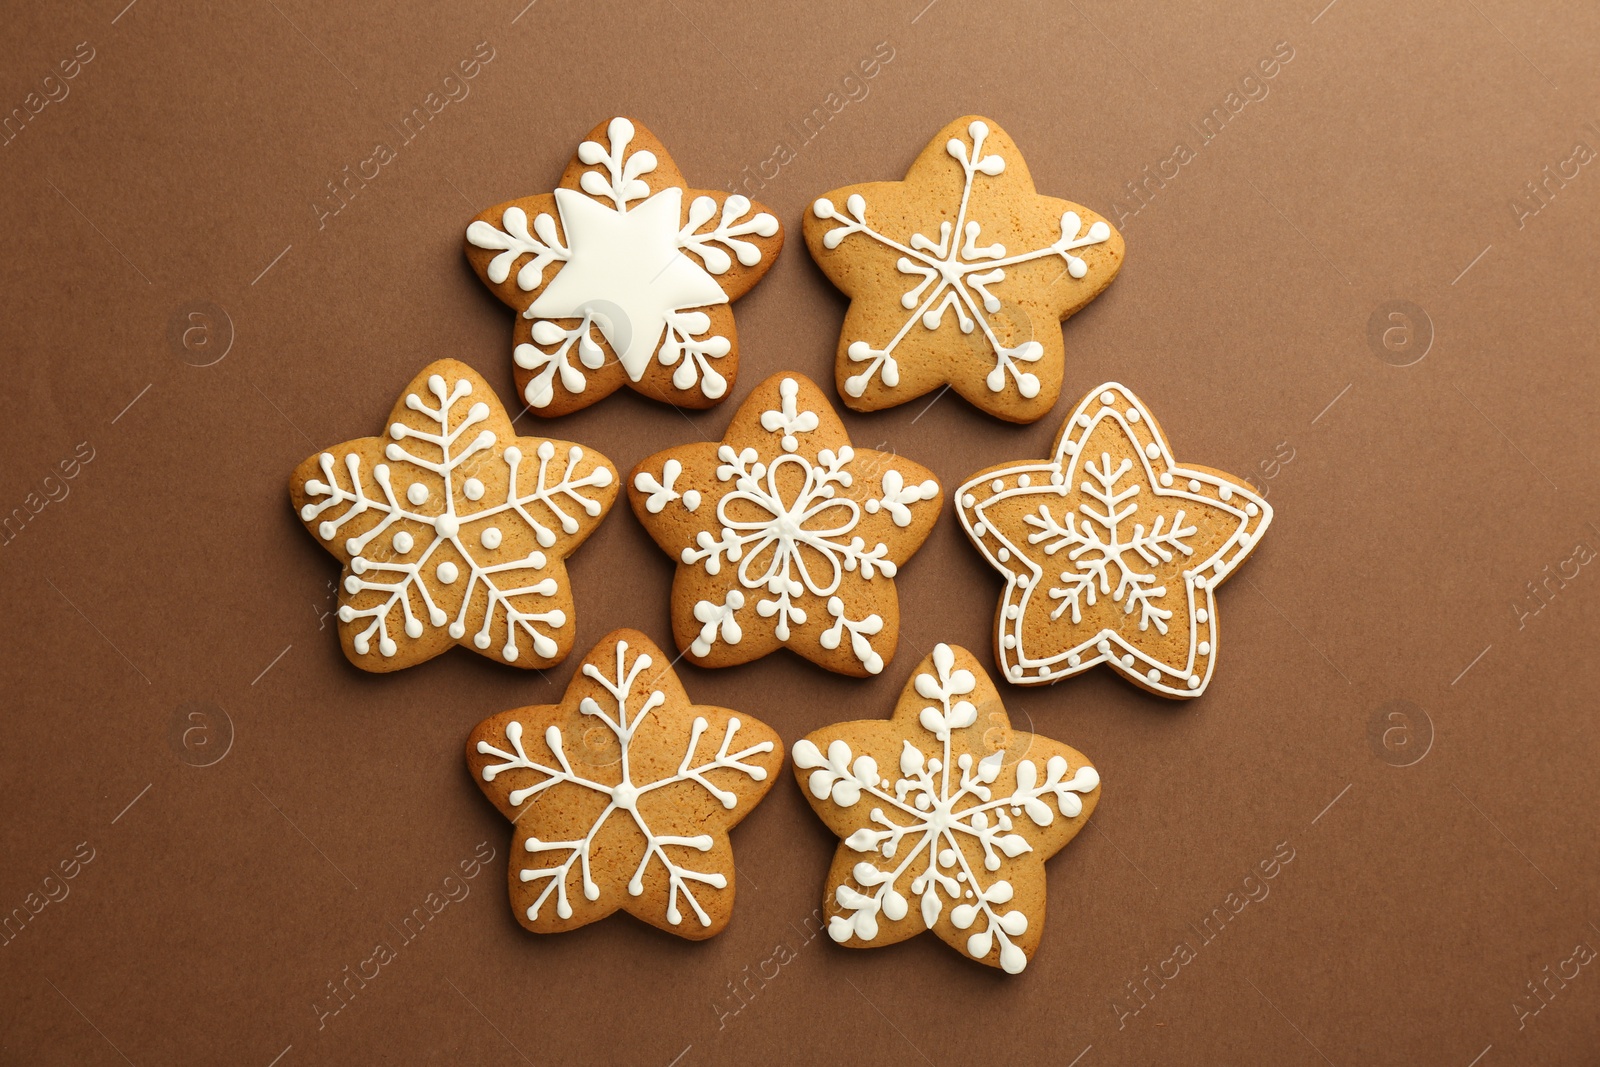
1012	611
1202	615
473	489
1153	675
1133	414
1225	492
1057	478
417	493
1016	671
1103	646
1127	660
1003	554
1074	660
1152	450
1070	448
447	525
490	538
402	542
1024	480
1251	510
947	857
1204	648
1166	477
997	485
1010	641
447	572
979	529
1194	485
1194	681
968	500
961	876
1083	419
1108	398
1199	581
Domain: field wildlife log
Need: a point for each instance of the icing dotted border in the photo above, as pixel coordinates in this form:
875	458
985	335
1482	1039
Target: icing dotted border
1025	578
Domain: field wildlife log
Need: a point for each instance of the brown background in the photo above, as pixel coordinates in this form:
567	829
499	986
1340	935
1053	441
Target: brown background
183	167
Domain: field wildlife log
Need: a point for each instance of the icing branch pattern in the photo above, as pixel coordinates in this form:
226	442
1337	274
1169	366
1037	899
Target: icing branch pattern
632	267
1095	554
432	486
626	709
956	274
934	827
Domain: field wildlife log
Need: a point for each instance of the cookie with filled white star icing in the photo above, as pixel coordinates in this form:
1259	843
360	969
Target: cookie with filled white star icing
623	276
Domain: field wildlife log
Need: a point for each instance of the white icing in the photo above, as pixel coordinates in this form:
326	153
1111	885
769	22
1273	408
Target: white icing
955	273
920	822
513	588
631	272
785	530
623	795
1090	533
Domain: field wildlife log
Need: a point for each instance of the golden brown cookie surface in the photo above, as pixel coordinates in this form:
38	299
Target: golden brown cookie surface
623	794
959	275
452	529
1111	551
623	276
785	534
945	816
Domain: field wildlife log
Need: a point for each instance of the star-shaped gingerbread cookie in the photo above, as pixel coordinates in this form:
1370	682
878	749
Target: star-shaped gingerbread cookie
622	795
623	276
945	816
452	529
785	534
1112	553
959	275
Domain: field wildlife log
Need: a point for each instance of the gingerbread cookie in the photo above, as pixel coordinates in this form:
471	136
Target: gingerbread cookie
1112	552
622	795
959	275
452	529
785	535
623	276
945	816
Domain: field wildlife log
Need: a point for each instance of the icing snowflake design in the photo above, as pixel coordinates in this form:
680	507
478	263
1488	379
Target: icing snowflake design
638	820
945	828
1111	551
782	524
452	529
958	278
636	278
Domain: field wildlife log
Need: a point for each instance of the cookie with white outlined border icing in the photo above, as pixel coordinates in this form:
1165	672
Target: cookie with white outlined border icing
452	529
623	276
622	795
785	534
959	275
945	815
1111	551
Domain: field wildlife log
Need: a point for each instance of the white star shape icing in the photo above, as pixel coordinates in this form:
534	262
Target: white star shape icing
1111	551
633	259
